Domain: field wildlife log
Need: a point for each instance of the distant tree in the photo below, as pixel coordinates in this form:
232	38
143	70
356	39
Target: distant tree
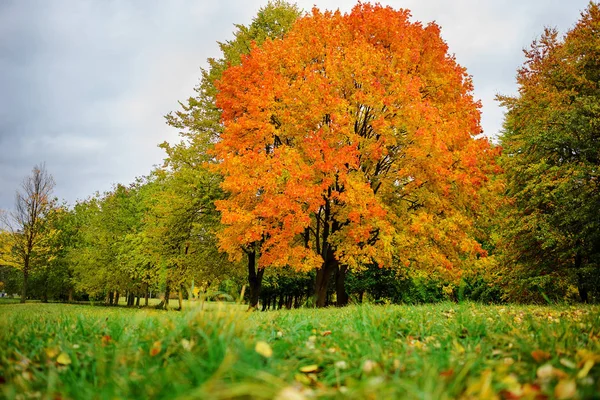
552	162
28	235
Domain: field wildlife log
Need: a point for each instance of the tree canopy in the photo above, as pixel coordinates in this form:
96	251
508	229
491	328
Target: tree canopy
353	136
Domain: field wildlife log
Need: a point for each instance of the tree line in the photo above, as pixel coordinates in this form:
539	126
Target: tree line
328	158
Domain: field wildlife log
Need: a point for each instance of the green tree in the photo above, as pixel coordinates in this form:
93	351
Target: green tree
551	158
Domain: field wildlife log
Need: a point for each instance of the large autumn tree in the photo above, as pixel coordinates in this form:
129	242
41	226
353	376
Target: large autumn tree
351	141
551	147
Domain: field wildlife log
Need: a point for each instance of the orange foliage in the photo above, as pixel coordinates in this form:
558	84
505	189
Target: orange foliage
351	138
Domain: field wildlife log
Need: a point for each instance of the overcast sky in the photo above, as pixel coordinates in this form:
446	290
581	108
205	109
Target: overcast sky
84	84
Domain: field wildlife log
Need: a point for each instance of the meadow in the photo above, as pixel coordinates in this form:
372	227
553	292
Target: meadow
470	351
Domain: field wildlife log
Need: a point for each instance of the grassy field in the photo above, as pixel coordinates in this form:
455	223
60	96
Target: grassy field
441	351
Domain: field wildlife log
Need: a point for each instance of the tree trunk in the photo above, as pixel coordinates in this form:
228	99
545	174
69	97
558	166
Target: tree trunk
164	304
255	278
581	284
45	290
146	295
111	297
70	298
180	298
322	281
340	287
360	296
25	277
167	296
130	299
137	301
264	304
117	298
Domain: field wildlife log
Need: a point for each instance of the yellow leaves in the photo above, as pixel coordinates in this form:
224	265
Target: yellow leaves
587	366
187	345
458	348
309	368
565	389
587	360
482	388
51	352
60	357
63	359
264	349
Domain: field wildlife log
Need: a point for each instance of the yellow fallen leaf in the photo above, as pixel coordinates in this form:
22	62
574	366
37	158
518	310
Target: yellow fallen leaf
309	368
302	378
63	359
512	385
263	349
52	352
565	389
586	369
187	344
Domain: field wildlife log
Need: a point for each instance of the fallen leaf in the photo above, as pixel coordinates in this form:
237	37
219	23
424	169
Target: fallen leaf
309	368
302	379
341	364
63	359
155	349
325	333
187	344
447	373
545	371
369	366
52	352
263	349
290	393
565	389
459	347
540	355
568	363
586	369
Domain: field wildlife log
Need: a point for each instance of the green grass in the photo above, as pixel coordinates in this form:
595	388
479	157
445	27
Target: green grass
426	352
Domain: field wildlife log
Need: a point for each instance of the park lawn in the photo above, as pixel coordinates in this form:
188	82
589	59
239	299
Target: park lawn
60	351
